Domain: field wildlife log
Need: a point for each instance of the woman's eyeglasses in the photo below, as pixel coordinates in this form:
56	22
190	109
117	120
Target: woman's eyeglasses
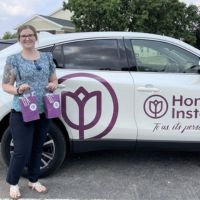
27	36
37	66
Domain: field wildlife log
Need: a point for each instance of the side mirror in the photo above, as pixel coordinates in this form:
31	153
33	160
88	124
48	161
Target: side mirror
193	69
196	68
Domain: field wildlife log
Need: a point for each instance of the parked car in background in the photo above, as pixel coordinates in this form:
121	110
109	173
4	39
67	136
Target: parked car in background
118	90
6	43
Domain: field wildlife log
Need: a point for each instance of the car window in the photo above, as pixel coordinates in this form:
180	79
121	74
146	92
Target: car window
58	56
46	49
155	56
101	54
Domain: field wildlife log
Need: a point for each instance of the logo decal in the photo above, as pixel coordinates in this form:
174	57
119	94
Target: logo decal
81	96
155	106
56	104
33	107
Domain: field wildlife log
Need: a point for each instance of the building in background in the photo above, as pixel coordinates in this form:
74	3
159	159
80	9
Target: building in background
57	22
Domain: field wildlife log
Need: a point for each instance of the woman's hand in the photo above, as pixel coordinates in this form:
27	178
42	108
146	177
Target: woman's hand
23	87
52	86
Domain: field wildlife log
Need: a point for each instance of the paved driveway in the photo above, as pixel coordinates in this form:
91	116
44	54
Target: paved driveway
121	175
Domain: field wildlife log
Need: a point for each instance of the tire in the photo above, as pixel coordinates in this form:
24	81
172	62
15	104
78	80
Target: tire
53	155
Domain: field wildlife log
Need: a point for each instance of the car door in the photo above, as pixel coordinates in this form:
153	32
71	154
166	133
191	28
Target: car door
97	91
167	98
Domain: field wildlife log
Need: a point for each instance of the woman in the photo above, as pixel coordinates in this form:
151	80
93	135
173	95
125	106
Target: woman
27	71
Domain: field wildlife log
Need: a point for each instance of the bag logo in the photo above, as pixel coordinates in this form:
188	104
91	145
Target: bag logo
33	107
56	104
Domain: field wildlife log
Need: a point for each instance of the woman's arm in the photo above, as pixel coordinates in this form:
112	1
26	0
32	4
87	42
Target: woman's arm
53	82
8	82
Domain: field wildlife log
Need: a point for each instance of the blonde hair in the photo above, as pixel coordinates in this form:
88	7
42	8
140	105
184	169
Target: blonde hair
23	27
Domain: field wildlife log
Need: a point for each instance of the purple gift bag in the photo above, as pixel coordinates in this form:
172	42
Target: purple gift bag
52	105
29	108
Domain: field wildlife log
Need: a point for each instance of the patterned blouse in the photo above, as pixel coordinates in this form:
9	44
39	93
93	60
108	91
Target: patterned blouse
35	73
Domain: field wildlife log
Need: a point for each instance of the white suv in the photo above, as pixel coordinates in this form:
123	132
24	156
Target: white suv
118	90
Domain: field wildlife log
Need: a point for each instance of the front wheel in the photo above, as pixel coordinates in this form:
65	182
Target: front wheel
53	154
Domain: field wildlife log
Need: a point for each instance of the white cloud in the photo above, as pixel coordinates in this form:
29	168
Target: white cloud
15	8
14	12
2	18
27	7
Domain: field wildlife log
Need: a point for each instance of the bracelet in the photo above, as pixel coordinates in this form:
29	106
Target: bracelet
18	91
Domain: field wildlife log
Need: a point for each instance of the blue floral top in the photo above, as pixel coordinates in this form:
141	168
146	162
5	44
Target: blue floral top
35	73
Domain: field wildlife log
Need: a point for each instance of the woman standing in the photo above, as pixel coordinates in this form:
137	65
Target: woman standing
29	70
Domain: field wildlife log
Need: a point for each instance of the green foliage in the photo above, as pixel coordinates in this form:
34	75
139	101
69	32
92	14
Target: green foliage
165	17
96	15
8	35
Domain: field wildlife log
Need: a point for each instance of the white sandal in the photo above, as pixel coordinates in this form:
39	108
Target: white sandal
38	187
14	192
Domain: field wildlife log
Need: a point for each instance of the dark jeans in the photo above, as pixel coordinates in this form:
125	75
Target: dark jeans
28	138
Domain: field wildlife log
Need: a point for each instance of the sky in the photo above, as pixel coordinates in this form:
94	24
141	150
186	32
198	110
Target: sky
15	12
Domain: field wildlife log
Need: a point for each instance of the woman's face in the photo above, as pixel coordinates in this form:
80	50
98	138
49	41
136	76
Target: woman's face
27	39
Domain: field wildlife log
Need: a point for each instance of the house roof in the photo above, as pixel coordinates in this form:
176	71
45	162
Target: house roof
61	22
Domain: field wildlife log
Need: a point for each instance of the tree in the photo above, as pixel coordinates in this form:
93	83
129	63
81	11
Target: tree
198	38
192	22
8	35
96	15
165	17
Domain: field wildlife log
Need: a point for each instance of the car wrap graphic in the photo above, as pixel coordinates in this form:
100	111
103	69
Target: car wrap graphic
81	96
177	113
155	106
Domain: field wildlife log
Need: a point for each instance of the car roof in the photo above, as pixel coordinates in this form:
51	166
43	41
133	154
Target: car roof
47	39
55	39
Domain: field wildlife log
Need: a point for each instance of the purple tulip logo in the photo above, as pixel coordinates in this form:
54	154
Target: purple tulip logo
84	99
155	106
81	126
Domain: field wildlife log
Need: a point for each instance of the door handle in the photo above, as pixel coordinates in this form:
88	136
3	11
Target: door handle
148	89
